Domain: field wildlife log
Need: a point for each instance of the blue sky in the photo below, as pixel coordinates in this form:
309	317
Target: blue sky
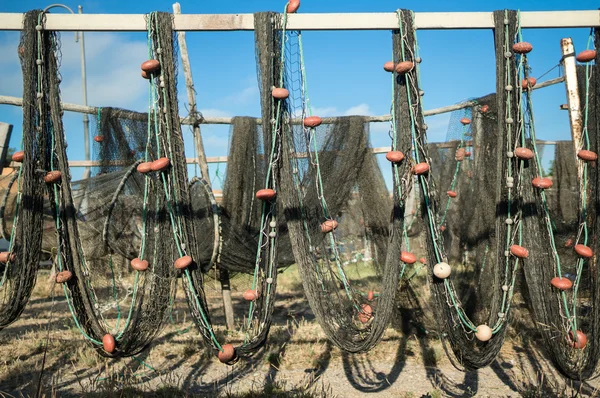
344	68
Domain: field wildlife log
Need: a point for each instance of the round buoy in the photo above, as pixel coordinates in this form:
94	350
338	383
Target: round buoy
280	93
227	354
522	47
420	168
53	177
561	283
464	121
581	340
250	295
443	228
519	251
63	276
542	183
394	156
329	226
18	156
265	194
312	121
485	108
459	156
144	168
366	313
569	242
108	343
183	262
6	256
139	264
145	75
99	138
292	6
408	257
584	154
404	67
526	84
586	56
452	194
442	270
483	333
523	153
423	260
370	295
584	251
389	66
151	66
160	164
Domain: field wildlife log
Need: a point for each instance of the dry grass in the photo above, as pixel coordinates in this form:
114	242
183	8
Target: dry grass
295	363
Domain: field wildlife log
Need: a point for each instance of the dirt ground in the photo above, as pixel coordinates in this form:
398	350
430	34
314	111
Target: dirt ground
298	360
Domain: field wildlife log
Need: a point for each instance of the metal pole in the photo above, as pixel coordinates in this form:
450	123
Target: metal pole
86	120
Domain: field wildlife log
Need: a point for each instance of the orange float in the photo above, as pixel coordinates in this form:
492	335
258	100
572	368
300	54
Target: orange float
408	257
420	168
394	156
18	156
584	154
145	167
584	251
139	264
329	226
108	343
183	262
312	121
266	194
522	47
519	251
586	56
561	283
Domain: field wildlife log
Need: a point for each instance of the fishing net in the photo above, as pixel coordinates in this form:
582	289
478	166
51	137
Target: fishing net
563	283
18	266
467	208
335	197
127	319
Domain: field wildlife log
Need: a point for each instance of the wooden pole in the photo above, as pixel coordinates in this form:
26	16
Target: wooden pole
7	100
573	104
5	132
202	162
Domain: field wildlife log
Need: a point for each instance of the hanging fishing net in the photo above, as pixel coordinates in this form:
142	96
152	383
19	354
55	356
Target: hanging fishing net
19	265
335	199
469	206
561	269
118	322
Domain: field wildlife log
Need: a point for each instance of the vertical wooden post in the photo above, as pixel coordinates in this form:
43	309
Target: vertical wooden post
573	103
5	132
201	157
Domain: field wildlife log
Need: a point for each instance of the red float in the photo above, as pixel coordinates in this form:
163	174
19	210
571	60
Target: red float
139	264
63	276
329	226
250	295
312	121
522	47
581	340
389	66
584	154
420	168
160	164
394	156
280	93
18	156
542	183
99	138
53	177
404	67
526	84
370	295
408	258
292	6
366	313
452	194
145	167
523	153
561	283
5	256
227	354
151	66
586	56
465	121
108	343
265	194
584	251
485	108
423	260
519	251
183	262
569	243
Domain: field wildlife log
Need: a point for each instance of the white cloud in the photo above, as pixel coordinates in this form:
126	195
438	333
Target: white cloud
326	111
214	113
362	110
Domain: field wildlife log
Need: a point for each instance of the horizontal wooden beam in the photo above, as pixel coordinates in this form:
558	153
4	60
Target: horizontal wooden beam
224	159
338	21
92	110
